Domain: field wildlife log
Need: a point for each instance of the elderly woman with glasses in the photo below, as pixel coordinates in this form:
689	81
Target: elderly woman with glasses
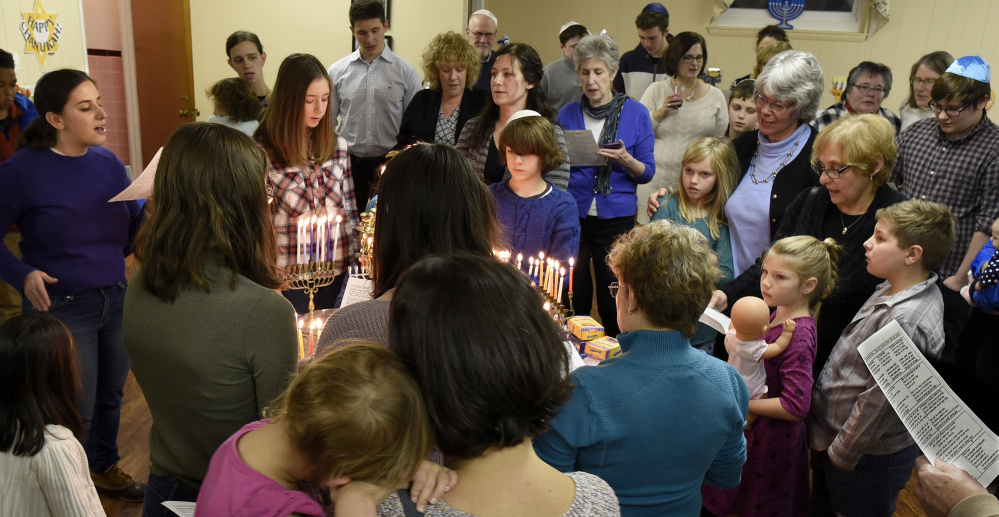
867	86
853	157
663	418
704	113
605	194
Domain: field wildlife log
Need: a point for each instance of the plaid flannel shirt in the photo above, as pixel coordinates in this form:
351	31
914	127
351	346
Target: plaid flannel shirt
962	174
838	111
850	415
315	189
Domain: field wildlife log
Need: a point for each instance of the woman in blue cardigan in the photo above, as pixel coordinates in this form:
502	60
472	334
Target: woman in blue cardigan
605	195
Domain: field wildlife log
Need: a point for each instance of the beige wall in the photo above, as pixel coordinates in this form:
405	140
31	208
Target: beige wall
318	27
70	54
916	27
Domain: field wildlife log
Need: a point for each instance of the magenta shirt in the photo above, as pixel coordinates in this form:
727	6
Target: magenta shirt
231	487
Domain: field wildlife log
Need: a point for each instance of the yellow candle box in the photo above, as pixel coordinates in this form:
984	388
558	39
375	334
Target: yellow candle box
603	348
585	328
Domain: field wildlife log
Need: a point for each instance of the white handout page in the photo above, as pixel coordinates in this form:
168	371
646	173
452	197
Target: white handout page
937	419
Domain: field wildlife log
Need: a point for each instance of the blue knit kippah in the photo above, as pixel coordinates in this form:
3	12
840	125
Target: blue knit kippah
655	7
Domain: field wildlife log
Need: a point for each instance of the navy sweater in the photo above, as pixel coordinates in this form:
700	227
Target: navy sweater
69	230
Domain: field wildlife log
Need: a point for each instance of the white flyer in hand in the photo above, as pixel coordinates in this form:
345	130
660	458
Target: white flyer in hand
716	320
937	419
583	148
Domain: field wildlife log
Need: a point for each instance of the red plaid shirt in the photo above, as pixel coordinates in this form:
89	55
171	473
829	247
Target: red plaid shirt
315	189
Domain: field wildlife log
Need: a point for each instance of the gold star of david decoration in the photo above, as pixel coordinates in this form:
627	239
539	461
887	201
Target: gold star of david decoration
41	32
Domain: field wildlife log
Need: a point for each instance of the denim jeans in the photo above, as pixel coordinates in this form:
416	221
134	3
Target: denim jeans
870	490
595	241
161	488
94	318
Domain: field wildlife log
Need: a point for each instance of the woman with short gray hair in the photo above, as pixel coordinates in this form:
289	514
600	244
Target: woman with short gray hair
775	158
605	194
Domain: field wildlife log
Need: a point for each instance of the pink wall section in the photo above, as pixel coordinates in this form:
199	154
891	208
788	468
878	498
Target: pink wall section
107	71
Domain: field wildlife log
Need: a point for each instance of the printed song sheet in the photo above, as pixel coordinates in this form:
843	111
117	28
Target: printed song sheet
583	148
358	289
941	423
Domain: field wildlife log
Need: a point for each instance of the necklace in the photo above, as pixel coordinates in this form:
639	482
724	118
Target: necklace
855	221
772	175
692	92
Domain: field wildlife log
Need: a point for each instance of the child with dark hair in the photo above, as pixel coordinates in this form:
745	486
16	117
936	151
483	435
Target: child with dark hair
44	467
492	369
235	105
16	112
536	216
741	109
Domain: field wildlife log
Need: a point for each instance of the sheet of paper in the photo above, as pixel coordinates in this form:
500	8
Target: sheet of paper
181	508
582	148
937	419
574	360
715	320
142	187
358	290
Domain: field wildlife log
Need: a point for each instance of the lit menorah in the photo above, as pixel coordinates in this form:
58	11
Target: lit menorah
785	10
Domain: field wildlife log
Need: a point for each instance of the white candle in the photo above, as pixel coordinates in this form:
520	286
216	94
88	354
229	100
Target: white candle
520	259
530	268
336	237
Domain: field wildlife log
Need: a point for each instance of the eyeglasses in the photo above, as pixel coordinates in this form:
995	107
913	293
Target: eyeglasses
832	173
865	89
921	82
484	35
690	59
776	107
614	287
951	112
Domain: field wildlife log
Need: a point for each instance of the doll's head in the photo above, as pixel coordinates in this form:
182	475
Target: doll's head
750	318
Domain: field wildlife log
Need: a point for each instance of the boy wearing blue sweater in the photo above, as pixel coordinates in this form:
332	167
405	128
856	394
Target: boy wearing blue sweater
536	216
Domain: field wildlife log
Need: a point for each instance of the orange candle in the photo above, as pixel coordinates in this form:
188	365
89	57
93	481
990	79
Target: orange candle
312	343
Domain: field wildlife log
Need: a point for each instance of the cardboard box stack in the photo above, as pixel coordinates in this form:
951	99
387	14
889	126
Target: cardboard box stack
588	337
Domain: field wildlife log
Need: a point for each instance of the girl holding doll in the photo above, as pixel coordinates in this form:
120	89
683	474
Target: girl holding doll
707	176
308	175
797	273
536	216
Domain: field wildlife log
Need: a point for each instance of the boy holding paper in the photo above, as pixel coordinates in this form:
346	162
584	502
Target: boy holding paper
862	455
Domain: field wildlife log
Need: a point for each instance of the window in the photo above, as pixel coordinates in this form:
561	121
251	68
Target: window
834	20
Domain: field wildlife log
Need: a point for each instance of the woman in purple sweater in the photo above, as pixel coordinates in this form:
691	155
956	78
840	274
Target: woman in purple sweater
56	189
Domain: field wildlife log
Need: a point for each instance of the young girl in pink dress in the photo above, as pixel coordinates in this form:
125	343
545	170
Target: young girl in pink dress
798	272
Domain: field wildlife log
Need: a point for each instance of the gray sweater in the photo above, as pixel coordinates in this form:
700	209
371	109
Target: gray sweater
208	364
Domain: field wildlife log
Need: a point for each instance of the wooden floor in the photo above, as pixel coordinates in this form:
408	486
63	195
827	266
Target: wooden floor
133	446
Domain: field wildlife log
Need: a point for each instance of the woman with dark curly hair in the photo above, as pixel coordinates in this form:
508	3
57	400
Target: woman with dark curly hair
437	114
515	86
235	105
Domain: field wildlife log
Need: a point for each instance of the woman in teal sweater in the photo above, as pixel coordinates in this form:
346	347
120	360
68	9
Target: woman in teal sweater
211	341
662	418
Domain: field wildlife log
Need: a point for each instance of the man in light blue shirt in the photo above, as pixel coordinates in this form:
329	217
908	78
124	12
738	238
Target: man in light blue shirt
371	89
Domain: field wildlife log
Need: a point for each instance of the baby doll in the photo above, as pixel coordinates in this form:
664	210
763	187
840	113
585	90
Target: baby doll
983	288
745	346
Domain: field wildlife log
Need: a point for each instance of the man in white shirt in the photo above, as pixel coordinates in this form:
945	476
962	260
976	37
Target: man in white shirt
372	87
481	33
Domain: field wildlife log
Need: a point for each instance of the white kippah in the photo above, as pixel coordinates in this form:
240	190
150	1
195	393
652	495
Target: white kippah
522	114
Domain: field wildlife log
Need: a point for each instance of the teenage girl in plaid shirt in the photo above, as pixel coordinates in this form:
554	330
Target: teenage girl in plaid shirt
309	169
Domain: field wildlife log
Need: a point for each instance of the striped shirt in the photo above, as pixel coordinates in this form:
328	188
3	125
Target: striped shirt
315	189
962	174
850	415
370	100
